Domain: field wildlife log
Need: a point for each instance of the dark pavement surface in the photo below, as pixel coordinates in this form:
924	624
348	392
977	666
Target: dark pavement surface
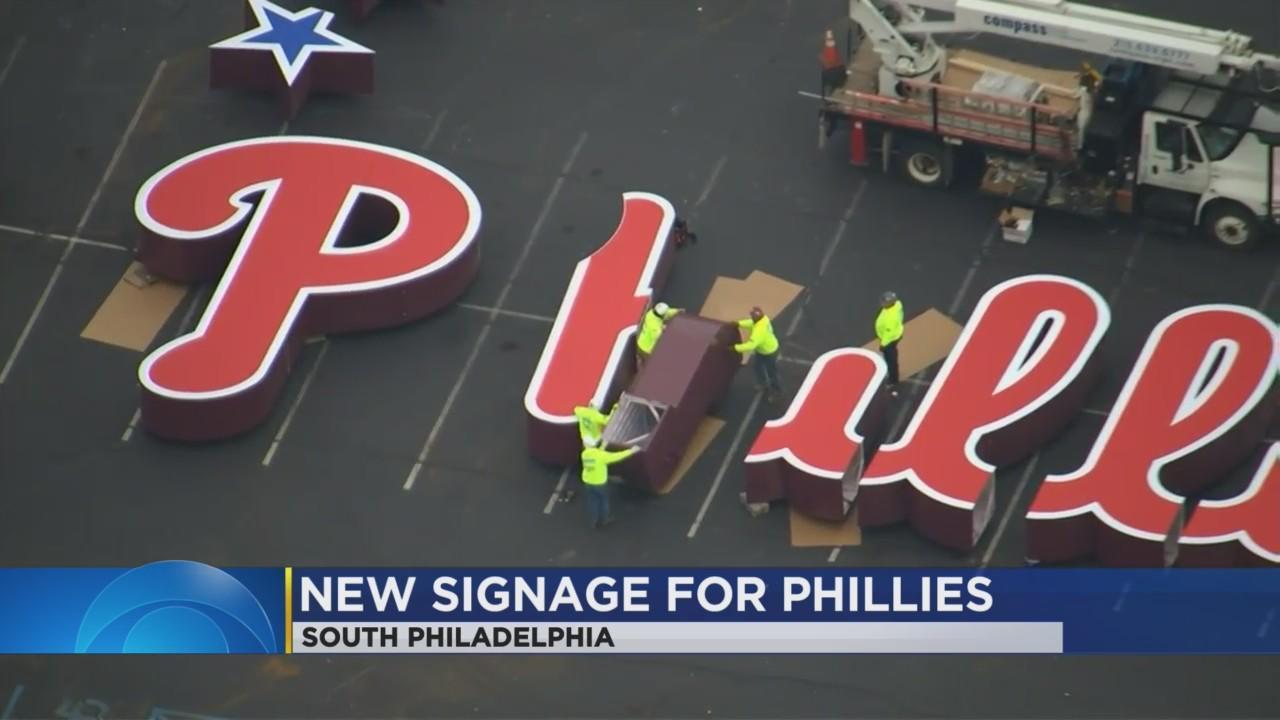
655	95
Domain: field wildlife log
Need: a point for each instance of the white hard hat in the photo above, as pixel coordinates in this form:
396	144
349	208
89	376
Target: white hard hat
661	308
591	442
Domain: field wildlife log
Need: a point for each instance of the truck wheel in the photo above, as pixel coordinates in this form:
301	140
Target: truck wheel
1231	225
927	164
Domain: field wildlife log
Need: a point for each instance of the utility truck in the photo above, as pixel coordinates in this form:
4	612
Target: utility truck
1180	125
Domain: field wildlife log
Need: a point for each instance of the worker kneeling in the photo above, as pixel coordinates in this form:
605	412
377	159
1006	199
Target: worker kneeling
595	478
655	321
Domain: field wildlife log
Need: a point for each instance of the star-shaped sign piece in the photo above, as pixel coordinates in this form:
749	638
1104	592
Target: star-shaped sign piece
291	52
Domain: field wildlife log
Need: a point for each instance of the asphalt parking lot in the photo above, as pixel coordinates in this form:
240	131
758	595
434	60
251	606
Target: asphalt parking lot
550	110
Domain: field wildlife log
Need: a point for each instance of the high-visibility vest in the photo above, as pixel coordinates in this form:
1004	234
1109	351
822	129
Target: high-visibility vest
591	422
596	462
762	340
889	324
651	329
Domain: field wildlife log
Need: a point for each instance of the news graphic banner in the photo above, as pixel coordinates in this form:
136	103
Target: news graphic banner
179	607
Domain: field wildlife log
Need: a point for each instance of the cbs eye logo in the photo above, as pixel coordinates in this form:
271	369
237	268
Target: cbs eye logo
176	606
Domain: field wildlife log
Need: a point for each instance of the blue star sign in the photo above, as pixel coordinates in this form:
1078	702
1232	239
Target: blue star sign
291	37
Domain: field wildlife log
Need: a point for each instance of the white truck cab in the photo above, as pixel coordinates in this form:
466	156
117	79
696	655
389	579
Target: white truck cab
1209	158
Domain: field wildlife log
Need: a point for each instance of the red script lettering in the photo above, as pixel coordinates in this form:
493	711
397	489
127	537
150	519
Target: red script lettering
270	216
1196	404
813	455
587	354
1019	372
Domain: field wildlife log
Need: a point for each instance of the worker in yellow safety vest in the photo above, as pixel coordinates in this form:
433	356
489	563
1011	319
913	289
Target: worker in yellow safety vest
764	345
889	332
651	327
591	422
595	479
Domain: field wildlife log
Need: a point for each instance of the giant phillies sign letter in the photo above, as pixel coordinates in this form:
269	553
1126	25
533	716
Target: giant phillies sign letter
1196	404
588	354
1020	371
275	219
813	455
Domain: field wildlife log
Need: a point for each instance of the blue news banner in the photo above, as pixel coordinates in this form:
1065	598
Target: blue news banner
179	607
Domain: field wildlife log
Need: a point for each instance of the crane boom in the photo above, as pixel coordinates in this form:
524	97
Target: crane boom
1112	33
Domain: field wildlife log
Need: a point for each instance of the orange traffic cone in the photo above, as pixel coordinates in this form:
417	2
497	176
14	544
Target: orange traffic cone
830	56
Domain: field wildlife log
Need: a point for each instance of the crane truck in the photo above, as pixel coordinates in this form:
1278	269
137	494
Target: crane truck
1179	124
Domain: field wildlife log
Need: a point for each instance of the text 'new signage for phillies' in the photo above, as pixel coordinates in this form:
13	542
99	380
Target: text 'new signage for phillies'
309	235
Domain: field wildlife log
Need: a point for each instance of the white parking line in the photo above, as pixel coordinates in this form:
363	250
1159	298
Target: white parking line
731	455
711	181
508	313
555	494
133	423
293	407
65	238
724	465
17	694
1270	290
1128	268
835	238
435	130
493	313
1008	513
13	56
84	220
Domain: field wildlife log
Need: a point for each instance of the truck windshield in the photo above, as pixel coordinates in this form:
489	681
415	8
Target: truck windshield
1218	141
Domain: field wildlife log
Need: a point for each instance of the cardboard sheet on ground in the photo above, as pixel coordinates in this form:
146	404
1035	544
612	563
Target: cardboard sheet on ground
807	532
728	300
698	444
731	299
134	312
772	293
926	339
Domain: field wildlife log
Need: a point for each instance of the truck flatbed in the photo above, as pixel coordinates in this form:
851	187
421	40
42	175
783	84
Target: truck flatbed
951	107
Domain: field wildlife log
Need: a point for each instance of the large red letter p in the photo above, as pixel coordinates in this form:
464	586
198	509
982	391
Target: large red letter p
276	218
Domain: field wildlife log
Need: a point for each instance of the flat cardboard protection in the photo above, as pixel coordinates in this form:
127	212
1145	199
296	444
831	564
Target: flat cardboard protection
728	301
135	310
808	532
707	431
927	339
731	299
